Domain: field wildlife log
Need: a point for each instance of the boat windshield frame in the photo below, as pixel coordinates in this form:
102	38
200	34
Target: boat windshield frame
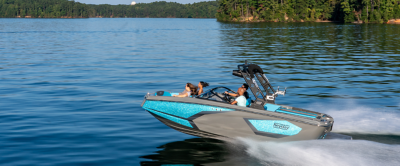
216	96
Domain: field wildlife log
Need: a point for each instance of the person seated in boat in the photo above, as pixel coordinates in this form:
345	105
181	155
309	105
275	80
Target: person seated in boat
190	89
246	95
201	85
241	100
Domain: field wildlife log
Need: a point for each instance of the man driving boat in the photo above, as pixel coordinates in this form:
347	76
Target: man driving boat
245	94
241	100
245	87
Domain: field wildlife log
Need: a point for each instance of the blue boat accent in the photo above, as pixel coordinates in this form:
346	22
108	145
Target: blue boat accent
277	108
292	113
282	127
167	94
323	136
271	107
171	118
309	113
184	110
248	102
164	94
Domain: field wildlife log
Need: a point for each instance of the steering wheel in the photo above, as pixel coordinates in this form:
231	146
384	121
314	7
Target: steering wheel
227	97
222	96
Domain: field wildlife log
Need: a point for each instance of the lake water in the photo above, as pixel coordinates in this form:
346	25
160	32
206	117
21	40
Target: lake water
71	89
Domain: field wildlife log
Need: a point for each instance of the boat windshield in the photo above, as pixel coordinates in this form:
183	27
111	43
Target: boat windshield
217	94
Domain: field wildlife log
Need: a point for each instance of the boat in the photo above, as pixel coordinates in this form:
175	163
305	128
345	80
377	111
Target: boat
210	115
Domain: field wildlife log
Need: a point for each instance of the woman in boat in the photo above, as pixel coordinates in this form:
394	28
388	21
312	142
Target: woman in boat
201	85
190	89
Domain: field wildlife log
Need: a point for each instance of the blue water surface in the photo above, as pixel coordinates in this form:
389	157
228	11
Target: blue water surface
71	89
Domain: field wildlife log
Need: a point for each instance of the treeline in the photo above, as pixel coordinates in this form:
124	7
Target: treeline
71	9
309	10
43	9
158	10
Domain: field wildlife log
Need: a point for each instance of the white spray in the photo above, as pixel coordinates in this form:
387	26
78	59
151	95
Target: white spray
352	118
322	152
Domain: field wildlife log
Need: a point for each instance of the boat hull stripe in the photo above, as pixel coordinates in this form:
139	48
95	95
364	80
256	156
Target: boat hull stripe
171	118
183	110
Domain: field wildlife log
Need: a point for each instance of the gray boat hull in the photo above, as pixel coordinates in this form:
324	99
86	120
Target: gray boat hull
218	120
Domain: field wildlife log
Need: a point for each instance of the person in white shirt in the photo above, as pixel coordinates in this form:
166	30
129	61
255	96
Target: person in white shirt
245	94
241	100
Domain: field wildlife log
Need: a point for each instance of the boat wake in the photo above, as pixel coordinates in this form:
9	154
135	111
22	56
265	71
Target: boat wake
362	120
320	152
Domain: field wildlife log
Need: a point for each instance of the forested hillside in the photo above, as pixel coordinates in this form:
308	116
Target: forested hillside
309	10
378	11
43	8
158	9
71	9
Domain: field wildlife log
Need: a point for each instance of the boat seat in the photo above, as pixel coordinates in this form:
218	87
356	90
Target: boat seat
248	102
162	93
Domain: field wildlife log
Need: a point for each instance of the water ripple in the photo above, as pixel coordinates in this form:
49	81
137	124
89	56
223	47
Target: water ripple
71	89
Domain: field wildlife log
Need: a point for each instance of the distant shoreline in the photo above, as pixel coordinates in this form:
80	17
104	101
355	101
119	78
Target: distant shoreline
357	12
71	9
252	20
392	21
105	17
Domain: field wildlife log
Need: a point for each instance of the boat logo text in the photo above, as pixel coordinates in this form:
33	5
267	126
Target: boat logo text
281	126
